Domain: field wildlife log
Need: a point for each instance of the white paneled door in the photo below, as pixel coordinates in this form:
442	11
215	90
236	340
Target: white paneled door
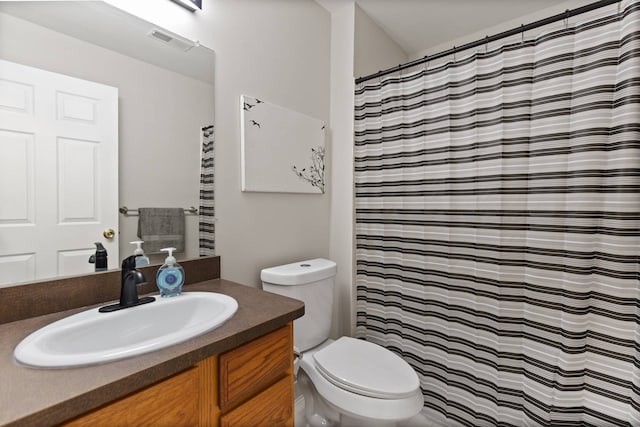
58	173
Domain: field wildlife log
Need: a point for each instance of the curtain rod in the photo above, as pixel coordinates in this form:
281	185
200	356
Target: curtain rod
488	39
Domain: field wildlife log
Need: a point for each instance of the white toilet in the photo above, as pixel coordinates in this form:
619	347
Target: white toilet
346	382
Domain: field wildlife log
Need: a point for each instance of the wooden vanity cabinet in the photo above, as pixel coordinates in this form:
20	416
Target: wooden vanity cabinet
251	385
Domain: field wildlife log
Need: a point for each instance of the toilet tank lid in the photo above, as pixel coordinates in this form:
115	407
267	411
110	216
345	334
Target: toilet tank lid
299	273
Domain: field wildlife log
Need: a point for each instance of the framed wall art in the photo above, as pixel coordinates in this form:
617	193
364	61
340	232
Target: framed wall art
282	150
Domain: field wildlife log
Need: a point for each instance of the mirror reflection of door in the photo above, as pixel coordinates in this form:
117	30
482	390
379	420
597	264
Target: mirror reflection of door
66	129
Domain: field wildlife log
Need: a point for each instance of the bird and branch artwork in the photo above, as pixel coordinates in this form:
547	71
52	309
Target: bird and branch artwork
282	150
314	173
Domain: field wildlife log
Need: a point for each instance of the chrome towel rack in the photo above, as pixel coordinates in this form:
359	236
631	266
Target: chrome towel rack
126	211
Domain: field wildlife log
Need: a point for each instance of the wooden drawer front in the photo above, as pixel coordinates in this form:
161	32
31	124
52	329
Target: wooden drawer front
272	407
246	370
172	402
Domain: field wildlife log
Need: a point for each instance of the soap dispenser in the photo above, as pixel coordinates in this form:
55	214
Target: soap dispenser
170	277
141	258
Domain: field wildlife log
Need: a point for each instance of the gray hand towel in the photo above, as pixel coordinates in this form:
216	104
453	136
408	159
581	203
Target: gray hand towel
161	228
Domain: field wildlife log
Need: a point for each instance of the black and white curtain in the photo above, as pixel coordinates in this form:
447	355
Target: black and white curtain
498	226
207	227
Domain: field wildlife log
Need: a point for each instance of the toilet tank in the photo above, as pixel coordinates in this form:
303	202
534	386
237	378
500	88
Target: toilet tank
311	282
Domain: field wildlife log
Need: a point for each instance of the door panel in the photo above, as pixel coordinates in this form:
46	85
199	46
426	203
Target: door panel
18	267
77	181
16	178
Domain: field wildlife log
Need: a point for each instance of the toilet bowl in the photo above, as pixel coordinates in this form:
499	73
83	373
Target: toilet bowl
346	382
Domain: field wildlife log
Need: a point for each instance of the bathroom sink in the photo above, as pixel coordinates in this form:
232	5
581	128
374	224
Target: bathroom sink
91	337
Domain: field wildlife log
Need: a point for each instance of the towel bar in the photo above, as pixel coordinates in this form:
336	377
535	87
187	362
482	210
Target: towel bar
126	211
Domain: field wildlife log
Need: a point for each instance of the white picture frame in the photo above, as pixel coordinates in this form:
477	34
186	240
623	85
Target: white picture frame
282	150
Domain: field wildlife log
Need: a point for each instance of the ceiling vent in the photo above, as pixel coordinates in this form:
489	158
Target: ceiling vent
171	40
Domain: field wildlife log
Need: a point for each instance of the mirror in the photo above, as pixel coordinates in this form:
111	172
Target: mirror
164	99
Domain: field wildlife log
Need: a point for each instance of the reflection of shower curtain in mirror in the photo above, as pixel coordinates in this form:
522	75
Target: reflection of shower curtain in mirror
498	226
207	210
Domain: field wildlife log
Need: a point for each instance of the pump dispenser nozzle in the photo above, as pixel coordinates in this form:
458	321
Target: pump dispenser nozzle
170	259
141	259
138	250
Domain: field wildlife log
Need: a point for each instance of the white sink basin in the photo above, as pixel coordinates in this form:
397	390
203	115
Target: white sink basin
91	337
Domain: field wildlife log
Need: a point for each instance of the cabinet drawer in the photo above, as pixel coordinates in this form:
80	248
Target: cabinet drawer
272	407
246	370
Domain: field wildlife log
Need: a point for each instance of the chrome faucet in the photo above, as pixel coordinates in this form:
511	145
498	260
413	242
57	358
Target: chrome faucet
129	281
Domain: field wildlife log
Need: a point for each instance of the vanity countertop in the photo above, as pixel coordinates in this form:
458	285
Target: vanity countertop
38	397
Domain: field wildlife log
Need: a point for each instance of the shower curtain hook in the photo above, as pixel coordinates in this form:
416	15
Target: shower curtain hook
454	53
522	33
566	18
486	44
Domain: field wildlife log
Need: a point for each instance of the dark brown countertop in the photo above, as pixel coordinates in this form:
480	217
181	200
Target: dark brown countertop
39	397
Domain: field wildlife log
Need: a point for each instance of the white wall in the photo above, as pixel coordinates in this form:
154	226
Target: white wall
341	216
374	49
159	137
277	50
358	46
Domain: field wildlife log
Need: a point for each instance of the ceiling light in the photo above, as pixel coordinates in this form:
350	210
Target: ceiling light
192	5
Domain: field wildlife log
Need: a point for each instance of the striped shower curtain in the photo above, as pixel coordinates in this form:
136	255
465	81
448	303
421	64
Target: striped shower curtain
498	226
206	220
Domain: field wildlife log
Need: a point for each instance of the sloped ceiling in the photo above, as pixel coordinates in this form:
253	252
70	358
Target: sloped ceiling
99	23
418	25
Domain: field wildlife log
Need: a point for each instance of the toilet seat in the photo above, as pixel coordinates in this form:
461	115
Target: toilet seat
354	403
367	369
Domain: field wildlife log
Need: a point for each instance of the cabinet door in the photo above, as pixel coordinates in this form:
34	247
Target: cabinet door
172	402
249	369
272	407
